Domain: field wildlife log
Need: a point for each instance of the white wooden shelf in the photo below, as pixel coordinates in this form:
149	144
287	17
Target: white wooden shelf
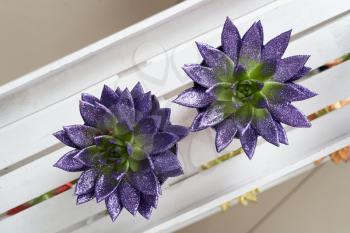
153	52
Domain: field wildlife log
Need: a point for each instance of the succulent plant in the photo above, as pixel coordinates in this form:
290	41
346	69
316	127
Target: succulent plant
244	89
126	149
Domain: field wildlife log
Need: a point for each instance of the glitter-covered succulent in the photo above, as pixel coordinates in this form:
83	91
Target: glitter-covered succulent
126	150
244	88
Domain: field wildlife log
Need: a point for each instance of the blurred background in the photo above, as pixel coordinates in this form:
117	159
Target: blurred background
35	33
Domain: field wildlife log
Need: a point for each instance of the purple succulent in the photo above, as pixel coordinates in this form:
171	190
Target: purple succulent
126	149
244	89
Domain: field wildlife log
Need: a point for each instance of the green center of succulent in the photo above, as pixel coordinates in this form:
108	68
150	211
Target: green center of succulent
120	151
247	88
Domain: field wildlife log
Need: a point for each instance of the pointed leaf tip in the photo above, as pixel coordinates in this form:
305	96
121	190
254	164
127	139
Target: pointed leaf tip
68	163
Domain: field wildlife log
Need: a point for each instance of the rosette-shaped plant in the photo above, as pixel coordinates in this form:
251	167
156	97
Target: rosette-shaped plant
126	149
244	89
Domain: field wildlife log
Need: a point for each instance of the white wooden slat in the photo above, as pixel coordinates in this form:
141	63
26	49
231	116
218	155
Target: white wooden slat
33	180
164	72
331	85
301	173
118	53
144	25
26	107
36	130
333	79
34	139
329	39
231	179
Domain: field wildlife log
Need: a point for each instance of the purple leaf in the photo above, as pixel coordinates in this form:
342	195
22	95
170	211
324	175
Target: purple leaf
145	209
288	67
68	163
301	73
150	199
306	93
194	98
214	58
163	141
113	205
265	126
155	104
89	98
143	103
178	130
275	48
118	91
261	31
86	182
108	96
225	132
212	116
251	48
124	110
89	113
166	163
196	124
105	185
204	76
243	118
248	141
81	135
147	126
282	136
63	137
164	114
289	115
104	118
231	40
276	92
129	197
85	198
137	91
145	181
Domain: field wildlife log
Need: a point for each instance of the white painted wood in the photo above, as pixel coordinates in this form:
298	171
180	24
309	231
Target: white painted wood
301	173
269	163
33	180
197	194
331	85
52	101
36	129
118	53
135	50
139	27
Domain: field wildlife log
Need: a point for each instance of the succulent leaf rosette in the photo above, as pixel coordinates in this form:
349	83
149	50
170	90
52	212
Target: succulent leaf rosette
244	89
126	148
